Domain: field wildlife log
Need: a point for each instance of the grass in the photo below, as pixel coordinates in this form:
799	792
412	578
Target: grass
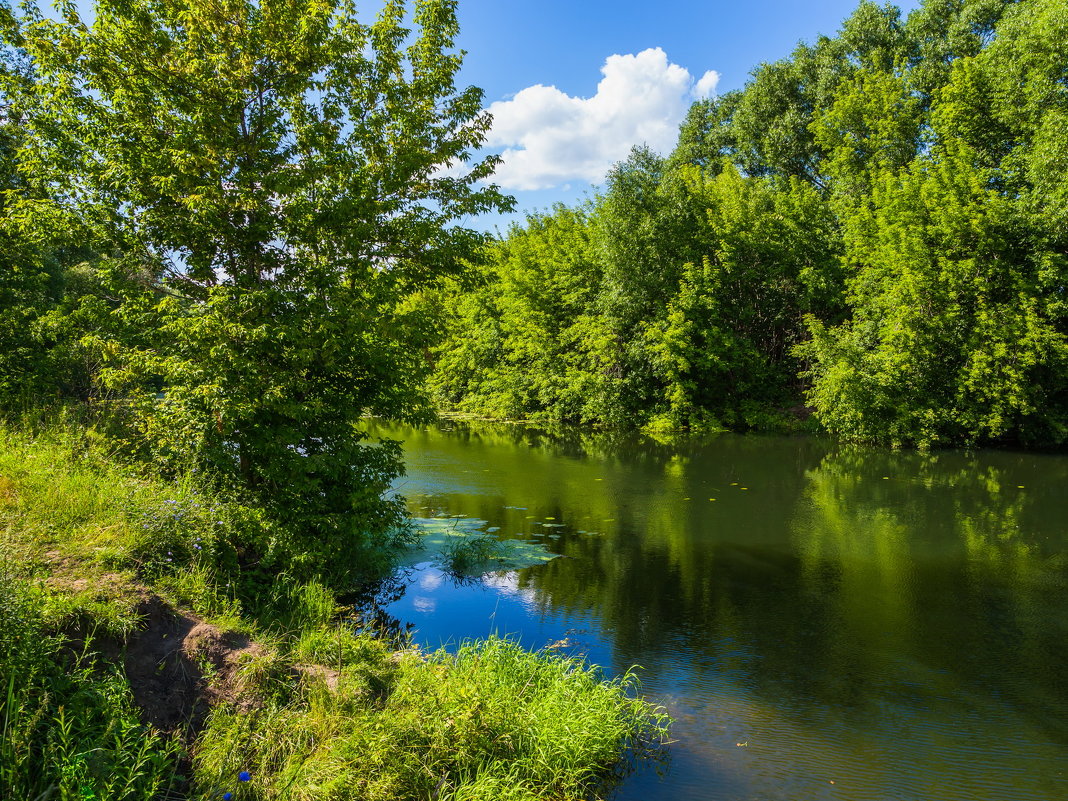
68	727
315	709
489	722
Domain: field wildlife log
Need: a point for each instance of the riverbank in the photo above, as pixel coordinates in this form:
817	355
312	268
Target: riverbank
796	604
146	655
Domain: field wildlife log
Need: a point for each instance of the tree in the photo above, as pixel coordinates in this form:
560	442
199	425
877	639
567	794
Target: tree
706	136
520	339
773	120
724	345
959	329
278	171
644	229
954	337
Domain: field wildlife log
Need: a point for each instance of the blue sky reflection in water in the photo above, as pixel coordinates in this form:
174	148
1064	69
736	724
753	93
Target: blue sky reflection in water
838	623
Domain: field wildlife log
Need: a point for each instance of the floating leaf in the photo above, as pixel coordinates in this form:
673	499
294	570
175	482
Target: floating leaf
441	541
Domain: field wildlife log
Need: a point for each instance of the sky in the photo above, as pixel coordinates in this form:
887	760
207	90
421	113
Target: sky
574	84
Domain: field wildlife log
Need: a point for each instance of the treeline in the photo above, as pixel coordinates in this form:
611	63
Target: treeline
874	229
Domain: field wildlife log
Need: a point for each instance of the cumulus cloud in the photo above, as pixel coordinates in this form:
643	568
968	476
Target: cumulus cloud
549	137
706	86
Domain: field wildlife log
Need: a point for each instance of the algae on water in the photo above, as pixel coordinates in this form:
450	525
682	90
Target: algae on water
462	545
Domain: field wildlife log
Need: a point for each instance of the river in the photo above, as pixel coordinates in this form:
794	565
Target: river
822	621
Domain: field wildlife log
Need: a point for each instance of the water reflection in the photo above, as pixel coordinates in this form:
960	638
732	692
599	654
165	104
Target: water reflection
823	621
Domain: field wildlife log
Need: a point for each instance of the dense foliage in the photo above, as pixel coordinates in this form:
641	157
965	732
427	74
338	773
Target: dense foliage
254	189
872	230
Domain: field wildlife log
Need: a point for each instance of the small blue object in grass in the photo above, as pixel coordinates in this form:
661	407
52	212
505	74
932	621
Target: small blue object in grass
244	776
227	796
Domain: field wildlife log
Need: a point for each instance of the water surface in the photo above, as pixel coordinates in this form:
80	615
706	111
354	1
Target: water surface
823	622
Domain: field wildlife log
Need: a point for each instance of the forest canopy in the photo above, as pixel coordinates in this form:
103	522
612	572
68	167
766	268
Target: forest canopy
872	231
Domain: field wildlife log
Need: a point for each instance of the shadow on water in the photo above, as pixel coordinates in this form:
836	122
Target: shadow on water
822	621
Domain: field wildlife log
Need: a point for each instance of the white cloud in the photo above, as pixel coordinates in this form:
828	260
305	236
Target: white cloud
550	137
706	87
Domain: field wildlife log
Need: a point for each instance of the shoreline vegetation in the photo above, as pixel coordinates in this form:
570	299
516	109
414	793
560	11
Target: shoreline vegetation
868	239
145	655
230	230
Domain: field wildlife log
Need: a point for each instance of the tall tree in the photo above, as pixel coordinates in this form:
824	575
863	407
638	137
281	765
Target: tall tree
958	329
277	169
523	338
644	230
723	348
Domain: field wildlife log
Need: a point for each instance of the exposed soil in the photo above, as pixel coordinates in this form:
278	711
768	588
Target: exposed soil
179	667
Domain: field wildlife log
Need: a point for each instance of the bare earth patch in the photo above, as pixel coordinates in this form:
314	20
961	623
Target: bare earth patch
179	666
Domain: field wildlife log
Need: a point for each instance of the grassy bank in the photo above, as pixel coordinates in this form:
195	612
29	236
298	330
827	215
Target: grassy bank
152	649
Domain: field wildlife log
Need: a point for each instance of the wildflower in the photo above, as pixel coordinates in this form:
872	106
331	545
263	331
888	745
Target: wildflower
227	796
244	776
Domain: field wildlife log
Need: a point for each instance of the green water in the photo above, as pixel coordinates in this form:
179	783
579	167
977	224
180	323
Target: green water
838	623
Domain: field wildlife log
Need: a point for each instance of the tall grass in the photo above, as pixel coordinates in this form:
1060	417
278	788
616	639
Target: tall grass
492	721
64	501
68	728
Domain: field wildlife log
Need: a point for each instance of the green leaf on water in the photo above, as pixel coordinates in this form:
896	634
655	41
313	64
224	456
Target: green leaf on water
464	546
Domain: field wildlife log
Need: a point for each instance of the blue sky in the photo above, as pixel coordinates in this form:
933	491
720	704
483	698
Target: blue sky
557	138
574	84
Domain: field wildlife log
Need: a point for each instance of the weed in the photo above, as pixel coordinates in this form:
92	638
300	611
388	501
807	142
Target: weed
467	553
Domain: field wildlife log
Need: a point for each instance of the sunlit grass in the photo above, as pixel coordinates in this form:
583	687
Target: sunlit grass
491	721
315	710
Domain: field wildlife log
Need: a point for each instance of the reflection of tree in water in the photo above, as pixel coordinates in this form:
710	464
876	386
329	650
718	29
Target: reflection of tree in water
366	610
950	575
563	442
873	576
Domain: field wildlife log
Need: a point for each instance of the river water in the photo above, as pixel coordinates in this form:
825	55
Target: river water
822	621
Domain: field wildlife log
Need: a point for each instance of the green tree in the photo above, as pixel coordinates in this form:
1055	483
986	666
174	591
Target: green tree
958	329
724	348
953	339
51	298
523	338
706	137
941	32
645	228
278	171
773	120
873	125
